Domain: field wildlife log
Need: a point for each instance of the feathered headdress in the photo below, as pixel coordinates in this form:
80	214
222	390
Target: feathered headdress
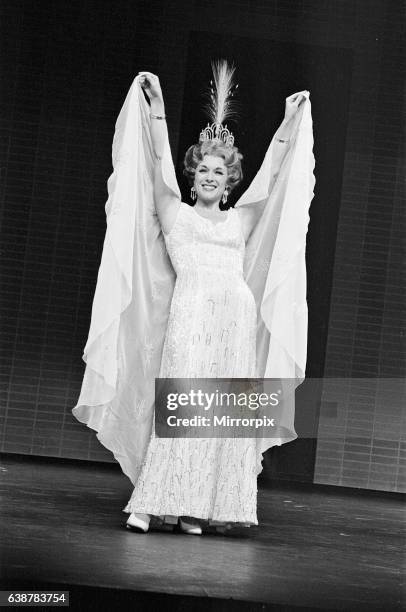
221	106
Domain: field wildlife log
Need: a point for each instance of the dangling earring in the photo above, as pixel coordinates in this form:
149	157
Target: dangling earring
193	194
225	196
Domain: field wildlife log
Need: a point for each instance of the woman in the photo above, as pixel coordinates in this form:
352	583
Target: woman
211	327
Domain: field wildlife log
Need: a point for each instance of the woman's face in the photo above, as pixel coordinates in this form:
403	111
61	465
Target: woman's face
210	179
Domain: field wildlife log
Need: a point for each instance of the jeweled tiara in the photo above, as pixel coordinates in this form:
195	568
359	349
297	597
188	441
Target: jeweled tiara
221	106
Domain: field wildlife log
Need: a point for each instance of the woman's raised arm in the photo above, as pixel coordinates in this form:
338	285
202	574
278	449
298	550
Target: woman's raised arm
250	215
166	202
284	132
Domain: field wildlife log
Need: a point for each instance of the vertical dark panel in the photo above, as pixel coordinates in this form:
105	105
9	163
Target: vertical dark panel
369	448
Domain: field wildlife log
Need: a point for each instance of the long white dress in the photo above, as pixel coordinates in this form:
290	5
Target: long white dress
211	333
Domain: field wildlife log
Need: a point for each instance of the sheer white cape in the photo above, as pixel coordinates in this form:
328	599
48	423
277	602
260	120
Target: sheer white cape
136	281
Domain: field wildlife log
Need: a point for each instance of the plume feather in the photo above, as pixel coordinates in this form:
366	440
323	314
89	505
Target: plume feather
221	106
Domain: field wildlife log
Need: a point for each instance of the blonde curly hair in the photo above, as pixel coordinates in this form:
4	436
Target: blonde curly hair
232	159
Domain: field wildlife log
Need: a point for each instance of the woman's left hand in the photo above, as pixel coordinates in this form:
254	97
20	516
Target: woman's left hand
292	105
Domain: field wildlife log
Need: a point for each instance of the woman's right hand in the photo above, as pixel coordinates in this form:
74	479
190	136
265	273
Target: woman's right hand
151	85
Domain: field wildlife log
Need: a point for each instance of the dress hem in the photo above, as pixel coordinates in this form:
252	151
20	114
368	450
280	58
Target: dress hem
171	519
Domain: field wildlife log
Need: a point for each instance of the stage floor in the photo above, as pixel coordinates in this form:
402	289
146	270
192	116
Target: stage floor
315	548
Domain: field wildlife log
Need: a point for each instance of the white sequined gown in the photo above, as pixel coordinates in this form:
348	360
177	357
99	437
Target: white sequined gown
211	333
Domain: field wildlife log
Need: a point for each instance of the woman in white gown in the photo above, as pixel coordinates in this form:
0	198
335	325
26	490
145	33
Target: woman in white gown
211	333
195	292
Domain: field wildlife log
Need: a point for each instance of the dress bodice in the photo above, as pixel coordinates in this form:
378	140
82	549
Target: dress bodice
196	242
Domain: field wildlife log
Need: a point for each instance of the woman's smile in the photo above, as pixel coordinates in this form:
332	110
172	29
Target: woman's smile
211	178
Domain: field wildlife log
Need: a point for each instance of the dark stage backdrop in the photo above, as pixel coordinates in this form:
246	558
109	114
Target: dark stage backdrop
65	70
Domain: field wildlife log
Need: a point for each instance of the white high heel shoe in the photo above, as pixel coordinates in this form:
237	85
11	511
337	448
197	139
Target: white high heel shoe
189	528
138	522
